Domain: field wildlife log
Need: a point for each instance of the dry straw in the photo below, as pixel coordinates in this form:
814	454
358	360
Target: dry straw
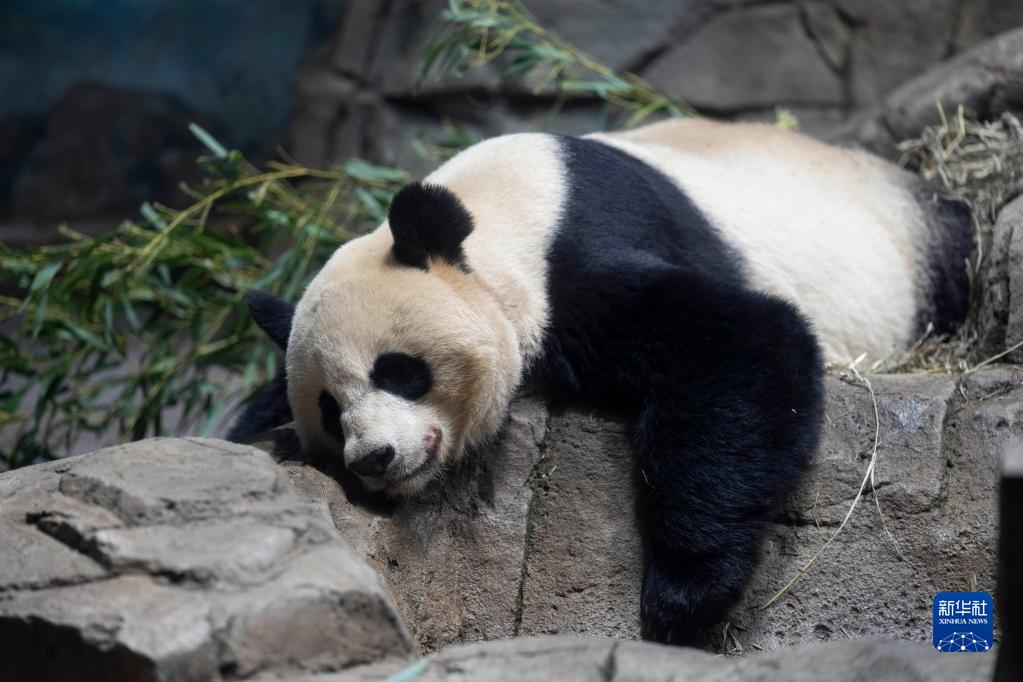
982	164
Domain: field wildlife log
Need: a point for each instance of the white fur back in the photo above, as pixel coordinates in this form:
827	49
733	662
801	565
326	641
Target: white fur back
833	231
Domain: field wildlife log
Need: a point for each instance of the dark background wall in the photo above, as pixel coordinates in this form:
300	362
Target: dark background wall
95	97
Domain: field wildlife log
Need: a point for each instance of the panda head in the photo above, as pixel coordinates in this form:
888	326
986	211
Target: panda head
397	358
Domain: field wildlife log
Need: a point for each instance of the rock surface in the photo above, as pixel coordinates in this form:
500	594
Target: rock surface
541	536
825	60
987	80
175	559
196	559
1001	313
571	659
800	73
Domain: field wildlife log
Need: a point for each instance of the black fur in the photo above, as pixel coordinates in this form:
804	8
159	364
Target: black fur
330	416
428	221
268	408
945	285
272	315
650	314
402	375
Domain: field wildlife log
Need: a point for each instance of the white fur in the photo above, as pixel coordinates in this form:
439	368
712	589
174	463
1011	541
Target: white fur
830	230
476	331
514	186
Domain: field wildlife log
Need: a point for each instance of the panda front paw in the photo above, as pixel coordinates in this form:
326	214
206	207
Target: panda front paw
669	611
678	607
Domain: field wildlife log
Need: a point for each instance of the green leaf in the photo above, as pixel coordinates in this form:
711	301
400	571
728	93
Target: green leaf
87	336
45	276
40	314
211	142
162	365
364	170
150	214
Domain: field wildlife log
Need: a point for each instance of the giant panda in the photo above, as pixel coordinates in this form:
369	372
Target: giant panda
696	276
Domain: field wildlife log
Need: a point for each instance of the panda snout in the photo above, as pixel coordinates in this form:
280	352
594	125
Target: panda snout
374	464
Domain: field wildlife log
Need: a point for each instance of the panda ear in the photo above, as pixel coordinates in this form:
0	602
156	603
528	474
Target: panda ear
273	316
428	221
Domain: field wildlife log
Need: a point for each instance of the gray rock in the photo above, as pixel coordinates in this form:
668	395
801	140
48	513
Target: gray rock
103	150
712	69
911	462
893	41
571	659
126	627
987	79
940	438
823	60
231	552
325	610
174	559
214	477
936	482
1014	326
31	559
454	557
195	559
999	320
646	29
830	31
585	559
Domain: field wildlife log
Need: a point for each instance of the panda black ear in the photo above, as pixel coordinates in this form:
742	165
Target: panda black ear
428	221
273	316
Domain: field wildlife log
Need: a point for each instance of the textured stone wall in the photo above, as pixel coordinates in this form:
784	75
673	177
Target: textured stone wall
540	535
823	59
175	559
179	559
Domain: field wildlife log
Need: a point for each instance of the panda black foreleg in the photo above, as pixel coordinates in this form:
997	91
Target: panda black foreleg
266	409
707	509
728	385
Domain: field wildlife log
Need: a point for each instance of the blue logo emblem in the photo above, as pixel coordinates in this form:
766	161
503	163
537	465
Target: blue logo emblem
964	622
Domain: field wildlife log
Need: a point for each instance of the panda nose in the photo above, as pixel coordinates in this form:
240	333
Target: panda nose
375	463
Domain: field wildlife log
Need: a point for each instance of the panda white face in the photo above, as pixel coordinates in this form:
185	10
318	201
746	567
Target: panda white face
395	368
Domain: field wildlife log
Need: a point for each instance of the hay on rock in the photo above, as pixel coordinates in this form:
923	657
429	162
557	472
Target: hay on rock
982	164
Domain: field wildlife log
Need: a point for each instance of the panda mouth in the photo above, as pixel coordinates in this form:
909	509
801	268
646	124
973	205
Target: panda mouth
432	442
431	447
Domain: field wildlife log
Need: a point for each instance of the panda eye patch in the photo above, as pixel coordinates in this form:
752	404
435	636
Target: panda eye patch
402	375
330	415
